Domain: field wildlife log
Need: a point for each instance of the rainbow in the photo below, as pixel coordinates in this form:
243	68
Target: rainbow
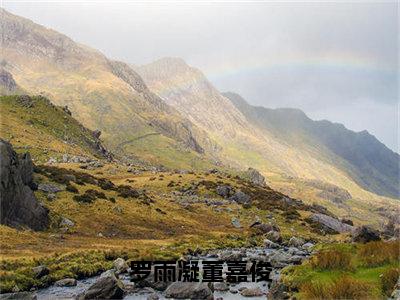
332	62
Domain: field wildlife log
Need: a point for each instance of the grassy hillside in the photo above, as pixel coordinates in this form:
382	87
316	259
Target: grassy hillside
34	124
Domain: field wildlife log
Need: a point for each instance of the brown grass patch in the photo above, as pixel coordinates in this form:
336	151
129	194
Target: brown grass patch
379	253
332	259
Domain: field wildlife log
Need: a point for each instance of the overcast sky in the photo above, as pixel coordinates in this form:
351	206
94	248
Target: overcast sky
336	61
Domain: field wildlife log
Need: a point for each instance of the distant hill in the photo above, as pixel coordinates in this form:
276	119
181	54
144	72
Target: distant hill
103	94
369	162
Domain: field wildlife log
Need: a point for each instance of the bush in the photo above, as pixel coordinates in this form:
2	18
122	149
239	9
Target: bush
332	259
379	253
344	287
389	280
126	191
72	189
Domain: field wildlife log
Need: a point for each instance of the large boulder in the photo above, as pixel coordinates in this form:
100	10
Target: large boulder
189	290
255	177
365	234
330	224
106	287
120	265
19	206
224	191
240	197
19	296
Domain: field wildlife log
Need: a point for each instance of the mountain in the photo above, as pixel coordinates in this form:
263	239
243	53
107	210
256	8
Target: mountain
369	162
103	94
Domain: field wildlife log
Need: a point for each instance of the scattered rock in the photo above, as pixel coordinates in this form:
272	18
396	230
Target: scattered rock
274	236
120	265
51	196
188	290
107	287
329	224
255	177
365	234
296	242
264	228
66	222
240	197
66	282
51	187
270	244
236	223
40	271
221	287
224	191
19	206
308	246
251	292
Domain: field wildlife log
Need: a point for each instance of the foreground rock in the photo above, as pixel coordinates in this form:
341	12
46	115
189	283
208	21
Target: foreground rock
66	282
106	287
19	206
330	224
365	234
120	265
189	290
251	292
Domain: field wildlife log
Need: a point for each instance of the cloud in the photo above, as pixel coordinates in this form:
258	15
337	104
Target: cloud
333	59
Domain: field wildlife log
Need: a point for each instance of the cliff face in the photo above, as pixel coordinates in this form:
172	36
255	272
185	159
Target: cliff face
19	206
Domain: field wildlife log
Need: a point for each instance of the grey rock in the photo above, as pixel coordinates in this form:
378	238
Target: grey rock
120	265
40	271
240	197
65	222
270	244
330	224
51	187
221	287
255	177
274	236
308	246
66	282
236	223
278	291
252	292
296	242
224	191
19	206
233	291
51	196
365	234
188	290
106	287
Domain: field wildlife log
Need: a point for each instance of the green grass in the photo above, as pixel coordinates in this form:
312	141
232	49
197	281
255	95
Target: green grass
326	277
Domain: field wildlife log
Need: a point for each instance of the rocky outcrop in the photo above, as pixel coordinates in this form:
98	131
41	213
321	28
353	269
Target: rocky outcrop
329	224
365	234
255	177
7	82
19	206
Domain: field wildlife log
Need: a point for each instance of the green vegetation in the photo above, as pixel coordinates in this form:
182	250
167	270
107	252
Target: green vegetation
346	271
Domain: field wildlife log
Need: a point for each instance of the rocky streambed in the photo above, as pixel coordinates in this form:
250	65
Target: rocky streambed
116	283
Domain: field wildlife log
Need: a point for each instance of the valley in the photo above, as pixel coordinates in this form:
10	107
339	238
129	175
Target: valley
105	162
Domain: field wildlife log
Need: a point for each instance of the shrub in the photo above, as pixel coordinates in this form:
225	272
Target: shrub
344	287
332	259
379	253
72	189
126	191
389	280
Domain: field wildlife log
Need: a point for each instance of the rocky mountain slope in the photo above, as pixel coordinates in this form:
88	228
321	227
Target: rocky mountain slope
35	124
366	160
104	95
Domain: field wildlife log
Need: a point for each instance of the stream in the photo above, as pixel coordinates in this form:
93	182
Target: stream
279	258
